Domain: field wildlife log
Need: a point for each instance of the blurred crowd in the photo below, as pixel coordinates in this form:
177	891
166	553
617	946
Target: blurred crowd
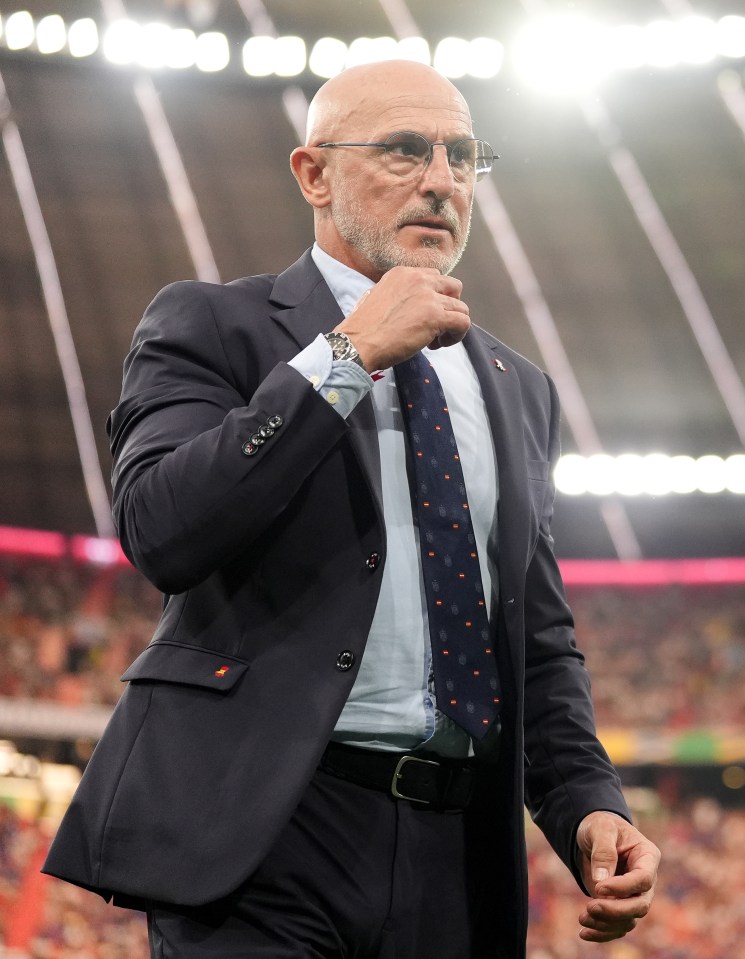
699	910
667	657
664	657
68	631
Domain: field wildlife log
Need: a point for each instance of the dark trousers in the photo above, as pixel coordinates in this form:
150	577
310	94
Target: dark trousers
355	874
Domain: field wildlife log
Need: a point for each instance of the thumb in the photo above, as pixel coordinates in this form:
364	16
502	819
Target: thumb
603	859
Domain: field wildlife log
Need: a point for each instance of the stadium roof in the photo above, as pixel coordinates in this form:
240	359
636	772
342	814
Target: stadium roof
608	246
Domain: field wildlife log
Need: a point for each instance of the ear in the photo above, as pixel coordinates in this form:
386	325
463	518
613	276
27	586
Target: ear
310	171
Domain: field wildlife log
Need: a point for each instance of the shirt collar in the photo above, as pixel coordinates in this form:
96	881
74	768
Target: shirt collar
346	284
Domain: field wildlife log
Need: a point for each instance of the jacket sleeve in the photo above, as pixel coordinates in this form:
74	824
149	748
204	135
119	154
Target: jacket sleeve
568	773
188	493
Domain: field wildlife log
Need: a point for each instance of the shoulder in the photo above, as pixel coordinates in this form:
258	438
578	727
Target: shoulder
530	375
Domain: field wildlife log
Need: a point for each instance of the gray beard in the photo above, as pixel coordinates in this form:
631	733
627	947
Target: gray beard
379	246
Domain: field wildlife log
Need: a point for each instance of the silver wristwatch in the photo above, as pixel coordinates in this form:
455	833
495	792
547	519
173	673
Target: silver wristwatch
342	348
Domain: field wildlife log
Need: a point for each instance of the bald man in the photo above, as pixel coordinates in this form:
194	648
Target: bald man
296	769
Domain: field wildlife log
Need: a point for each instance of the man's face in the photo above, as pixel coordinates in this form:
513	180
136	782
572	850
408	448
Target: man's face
377	219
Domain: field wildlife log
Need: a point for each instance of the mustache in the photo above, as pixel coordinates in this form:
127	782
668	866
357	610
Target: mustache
438	208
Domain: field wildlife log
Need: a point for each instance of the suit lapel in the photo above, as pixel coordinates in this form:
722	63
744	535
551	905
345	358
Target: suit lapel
500	388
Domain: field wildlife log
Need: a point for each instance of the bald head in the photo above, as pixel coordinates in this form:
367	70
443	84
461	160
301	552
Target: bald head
356	96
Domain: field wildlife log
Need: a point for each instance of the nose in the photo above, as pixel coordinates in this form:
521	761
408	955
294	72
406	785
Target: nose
437	179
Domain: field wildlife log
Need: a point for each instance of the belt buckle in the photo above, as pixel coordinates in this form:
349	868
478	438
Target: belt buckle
397	774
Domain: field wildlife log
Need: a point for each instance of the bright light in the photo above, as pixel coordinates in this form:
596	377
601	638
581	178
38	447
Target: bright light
19	30
710	474
731	36
698	39
212	52
485	57
734	473
371	50
153	43
182	49
121	42
82	37
50	34
563	53
653	475
452	57
290	56
414	48
327	58
626	47
258	56
660	44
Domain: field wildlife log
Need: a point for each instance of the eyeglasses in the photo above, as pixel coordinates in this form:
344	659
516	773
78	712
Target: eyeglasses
407	154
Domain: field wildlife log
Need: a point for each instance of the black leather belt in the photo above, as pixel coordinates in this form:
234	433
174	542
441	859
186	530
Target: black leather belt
445	784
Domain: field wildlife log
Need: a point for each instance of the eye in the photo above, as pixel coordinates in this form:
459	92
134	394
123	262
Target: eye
407	147
463	154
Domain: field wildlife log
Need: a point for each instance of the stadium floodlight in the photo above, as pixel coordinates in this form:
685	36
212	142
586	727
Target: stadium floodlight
625	48
51	34
121	42
697	39
181	52
416	49
710	474
734	473
485	57
19	30
563	54
731	36
569	475
661	44
82	37
328	57
290	56
258	56
655	474
152	47
451	57
371	50
212	52
683	474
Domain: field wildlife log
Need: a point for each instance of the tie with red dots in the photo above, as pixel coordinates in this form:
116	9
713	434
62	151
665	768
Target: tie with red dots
463	662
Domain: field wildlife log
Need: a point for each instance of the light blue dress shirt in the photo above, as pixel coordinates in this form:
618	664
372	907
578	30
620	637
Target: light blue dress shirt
392	704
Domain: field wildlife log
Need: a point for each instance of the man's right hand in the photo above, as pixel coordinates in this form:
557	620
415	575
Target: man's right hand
410	307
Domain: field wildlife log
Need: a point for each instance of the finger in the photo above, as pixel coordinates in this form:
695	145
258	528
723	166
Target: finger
606	935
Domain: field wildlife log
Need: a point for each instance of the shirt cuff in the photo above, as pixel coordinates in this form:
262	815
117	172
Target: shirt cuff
342	383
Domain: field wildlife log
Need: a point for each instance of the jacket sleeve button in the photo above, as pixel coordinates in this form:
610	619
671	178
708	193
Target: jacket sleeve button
345	660
373	561
249	449
275	421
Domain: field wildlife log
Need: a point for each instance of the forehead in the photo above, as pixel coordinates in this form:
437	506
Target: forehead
441	114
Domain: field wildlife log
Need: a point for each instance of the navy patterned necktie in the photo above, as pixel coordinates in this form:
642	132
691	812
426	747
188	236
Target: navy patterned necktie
463	662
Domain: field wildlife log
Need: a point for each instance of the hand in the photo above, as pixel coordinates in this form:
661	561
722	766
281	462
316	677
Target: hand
410	307
619	869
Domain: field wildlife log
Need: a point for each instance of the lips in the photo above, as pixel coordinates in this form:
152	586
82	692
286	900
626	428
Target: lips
429	224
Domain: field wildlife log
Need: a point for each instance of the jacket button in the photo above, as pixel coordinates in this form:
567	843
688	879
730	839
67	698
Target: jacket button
345	660
249	449
274	422
373	561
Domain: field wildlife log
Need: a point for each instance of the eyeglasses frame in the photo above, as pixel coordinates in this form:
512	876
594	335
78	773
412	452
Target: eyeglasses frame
432	144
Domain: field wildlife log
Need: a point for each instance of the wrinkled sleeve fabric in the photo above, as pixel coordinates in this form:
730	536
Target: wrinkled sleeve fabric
189	493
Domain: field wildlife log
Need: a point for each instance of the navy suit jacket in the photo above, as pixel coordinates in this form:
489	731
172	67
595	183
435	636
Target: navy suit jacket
265	562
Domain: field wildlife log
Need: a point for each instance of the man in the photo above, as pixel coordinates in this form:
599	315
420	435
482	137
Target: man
263	788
